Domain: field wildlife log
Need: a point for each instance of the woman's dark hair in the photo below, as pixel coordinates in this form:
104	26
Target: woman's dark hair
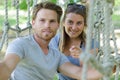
77	9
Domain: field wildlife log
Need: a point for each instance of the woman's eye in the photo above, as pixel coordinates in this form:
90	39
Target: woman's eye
52	21
79	23
70	22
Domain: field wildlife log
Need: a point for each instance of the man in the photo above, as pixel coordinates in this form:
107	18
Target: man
30	57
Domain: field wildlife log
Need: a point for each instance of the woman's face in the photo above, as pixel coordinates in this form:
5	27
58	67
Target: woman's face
74	25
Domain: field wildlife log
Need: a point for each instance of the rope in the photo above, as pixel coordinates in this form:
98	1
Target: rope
102	22
17	19
6	26
98	25
28	18
88	42
117	56
106	42
35	2
117	59
17	28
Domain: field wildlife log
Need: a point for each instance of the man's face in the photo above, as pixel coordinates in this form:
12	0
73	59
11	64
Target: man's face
45	25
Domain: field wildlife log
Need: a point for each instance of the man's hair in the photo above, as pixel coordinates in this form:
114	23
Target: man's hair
47	5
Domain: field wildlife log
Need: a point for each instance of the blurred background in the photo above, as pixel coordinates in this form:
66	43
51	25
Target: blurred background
23	11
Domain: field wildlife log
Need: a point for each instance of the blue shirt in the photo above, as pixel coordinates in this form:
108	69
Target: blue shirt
55	44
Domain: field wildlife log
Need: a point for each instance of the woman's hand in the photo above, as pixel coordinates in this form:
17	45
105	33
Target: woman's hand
75	51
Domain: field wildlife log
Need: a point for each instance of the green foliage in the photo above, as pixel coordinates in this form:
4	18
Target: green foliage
116	17
55	77
117	2
113	77
1	22
74	1
54	1
12	20
9	4
71	1
23	4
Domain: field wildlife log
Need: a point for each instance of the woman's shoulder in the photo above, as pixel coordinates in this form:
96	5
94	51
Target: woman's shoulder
57	36
55	41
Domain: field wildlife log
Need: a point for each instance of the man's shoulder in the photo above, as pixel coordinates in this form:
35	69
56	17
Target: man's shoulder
22	39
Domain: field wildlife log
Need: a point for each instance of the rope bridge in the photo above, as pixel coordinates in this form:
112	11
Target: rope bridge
17	28
99	25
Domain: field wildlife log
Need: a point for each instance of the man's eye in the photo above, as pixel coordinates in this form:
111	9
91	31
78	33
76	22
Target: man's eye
42	20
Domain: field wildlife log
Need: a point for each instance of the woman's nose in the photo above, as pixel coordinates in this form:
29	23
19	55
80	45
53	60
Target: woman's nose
74	27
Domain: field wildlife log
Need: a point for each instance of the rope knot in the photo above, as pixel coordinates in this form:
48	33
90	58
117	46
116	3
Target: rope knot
117	59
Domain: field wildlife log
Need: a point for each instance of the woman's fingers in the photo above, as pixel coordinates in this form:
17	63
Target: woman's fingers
75	51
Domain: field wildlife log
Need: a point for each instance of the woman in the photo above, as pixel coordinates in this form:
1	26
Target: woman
73	35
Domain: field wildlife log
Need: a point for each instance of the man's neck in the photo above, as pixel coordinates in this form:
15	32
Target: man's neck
43	44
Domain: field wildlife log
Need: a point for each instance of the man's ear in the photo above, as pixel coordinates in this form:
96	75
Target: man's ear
33	22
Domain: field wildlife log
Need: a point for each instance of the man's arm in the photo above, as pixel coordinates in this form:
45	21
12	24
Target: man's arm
73	71
7	65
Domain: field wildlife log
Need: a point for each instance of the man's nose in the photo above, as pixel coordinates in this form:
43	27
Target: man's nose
47	24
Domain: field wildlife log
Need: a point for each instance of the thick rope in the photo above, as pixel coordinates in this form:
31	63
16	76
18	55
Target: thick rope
117	56
6	26
88	42
108	60
98	25
17	19
34	2
106	41
28	18
17	28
